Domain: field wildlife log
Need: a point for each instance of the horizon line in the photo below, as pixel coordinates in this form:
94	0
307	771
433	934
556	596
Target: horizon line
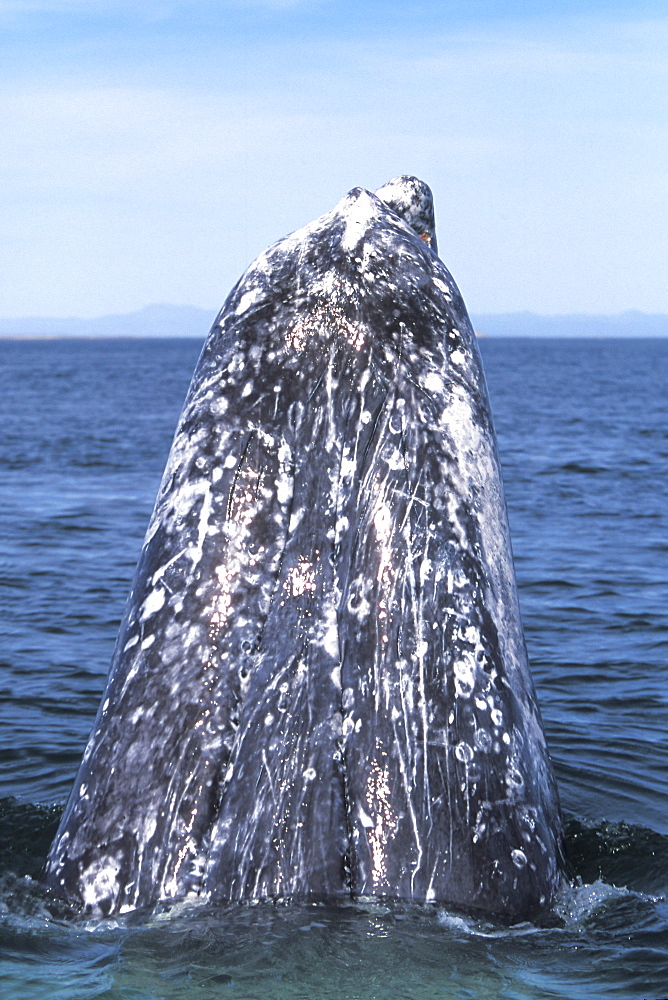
44	318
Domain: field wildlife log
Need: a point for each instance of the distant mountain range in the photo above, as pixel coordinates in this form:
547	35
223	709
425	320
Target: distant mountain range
526	324
189	321
152	321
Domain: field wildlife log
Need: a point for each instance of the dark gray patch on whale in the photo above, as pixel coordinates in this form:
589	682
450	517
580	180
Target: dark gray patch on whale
320	686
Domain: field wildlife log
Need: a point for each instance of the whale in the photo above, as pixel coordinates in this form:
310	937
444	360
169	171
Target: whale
320	688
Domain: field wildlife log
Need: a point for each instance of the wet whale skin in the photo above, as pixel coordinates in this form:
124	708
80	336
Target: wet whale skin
320	687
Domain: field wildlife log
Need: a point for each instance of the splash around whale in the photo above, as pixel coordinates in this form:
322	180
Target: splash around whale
320	687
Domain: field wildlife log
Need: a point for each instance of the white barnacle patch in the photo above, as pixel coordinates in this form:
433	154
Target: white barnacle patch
153	603
357	218
457	357
283	702
464	753
284	484
469	633
150	827
425	572
459	418
365	819
309	774
237	363
454	516
519	858
359	606
433	382
248	299
347	726
185	498
395	424
396	461
341	525
148	642
219	406
482	740
329	638
382	522
295	518
465	670
442	287
514	780
348	467
139	714
480	827
327	285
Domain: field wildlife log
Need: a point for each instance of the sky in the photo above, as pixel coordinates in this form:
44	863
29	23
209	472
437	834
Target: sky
150	149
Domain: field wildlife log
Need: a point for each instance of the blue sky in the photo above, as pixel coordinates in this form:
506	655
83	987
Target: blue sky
149	150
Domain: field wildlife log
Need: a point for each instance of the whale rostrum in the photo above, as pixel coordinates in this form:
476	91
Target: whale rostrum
320	688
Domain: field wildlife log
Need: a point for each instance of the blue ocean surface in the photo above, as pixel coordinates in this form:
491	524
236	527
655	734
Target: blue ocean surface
85	428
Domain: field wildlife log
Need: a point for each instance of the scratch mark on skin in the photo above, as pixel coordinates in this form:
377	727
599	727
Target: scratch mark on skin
233	487
267	771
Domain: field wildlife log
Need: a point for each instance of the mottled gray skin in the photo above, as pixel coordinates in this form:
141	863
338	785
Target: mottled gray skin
320	687
411	198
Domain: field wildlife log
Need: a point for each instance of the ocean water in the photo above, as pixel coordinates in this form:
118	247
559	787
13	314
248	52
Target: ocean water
85	428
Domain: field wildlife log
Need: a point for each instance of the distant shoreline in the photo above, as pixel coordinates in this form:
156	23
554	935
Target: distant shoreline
190	322
29	338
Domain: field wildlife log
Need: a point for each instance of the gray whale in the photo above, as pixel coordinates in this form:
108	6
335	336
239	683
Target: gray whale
320	687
